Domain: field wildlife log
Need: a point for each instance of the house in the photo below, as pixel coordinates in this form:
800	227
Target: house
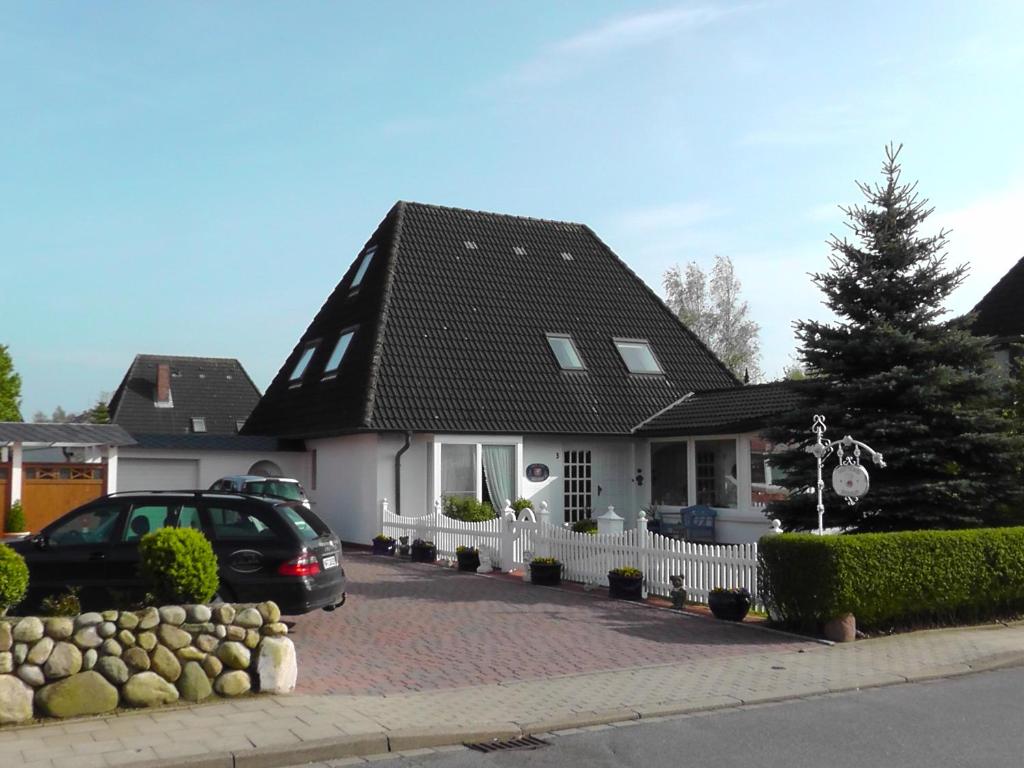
184	415
496	356
1000	314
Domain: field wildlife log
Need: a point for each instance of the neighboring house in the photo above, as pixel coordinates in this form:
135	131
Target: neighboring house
468	353
185	414
1001	314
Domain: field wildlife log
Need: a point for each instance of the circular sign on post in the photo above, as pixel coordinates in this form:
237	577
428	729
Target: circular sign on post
850	480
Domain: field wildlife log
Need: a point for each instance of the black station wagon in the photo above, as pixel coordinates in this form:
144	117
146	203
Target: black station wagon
267	549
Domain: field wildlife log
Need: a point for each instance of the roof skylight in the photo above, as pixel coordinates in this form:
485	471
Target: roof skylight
470	245
339	353
637	356
198	424
567	256
364	264
300	366
519	250
565	351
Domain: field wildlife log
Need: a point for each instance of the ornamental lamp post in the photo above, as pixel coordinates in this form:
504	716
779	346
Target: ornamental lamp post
849	479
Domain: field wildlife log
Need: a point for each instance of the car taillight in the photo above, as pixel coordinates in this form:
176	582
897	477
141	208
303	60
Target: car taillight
303	565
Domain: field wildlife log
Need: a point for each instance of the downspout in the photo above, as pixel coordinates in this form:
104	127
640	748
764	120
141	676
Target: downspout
398	472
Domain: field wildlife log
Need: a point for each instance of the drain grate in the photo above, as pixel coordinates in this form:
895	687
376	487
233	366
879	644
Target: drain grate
508	745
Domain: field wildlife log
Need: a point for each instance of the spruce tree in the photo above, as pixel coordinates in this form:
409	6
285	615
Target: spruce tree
10	388
894	374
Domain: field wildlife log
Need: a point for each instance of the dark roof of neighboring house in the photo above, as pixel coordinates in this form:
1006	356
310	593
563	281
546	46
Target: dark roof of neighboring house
451	338
255	443
65	434
215	388
1001	312
735	409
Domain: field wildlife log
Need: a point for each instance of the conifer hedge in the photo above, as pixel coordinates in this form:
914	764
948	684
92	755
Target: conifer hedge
887	580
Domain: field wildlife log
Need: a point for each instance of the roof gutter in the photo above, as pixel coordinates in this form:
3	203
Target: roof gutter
398	472
668	407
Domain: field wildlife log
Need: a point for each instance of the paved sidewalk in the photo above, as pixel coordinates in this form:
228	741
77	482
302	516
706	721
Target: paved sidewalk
289	730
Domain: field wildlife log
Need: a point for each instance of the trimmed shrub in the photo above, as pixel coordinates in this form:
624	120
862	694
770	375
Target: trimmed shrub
15	521
62	604
520	504
887	580
179	565
587	525
467	509
13	578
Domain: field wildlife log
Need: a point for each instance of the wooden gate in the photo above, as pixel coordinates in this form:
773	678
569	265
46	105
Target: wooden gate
50	490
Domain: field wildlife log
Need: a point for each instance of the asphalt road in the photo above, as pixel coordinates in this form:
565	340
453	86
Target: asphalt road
976	720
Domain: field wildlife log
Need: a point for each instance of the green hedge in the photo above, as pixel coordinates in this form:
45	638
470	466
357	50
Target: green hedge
179	565
894	579
13	578
467	509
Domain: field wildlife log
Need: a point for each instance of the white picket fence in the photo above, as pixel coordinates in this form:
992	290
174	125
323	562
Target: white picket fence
511	540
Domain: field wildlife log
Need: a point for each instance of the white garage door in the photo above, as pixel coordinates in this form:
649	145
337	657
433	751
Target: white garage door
157	474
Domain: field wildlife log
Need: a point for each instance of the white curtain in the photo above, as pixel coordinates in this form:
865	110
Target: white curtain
500	474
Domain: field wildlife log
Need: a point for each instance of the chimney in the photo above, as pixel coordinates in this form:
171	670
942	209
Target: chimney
163	384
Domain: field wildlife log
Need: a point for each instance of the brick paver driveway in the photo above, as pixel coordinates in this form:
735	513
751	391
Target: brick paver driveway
412	627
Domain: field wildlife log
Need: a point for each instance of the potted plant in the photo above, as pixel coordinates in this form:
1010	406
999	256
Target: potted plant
14	524
468	557
729	604
626	583
383	545
546	571
423	551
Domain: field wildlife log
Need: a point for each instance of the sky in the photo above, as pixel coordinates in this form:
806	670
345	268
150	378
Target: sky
194	178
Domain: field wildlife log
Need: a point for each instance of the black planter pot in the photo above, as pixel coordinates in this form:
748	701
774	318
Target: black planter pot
468	561
423	553
728	606
546	574
383	547
625	587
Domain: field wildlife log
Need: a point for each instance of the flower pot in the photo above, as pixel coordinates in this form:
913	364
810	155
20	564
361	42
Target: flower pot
468	560
625	587
841	629
546	574
383	547
729	606
423	553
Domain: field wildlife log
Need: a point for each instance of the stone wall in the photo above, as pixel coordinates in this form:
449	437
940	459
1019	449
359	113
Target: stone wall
96	662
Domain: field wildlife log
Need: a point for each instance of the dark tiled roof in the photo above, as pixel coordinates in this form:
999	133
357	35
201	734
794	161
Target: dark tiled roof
215	388
452	338
735	409
1001	312
69	434
256	443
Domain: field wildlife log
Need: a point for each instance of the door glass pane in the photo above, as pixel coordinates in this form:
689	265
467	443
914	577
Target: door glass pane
499	483
668	474
458	470
716	473
145	519
95	525
233	523
188	517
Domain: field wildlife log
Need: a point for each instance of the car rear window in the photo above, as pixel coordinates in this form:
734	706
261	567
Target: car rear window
308	526
275	488
230	523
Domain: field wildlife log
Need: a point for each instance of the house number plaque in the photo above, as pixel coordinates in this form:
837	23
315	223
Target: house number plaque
537	473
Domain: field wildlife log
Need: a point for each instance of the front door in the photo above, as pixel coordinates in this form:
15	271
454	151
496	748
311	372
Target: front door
577	484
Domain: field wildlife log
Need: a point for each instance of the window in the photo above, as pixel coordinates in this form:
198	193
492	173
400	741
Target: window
239	424
308	529
145	519
716	473
364	264
188	517
576	485
198	424
565	352
279	489
339	353
458	470
233	523
95	525
766	481
638	357
300	366
668	474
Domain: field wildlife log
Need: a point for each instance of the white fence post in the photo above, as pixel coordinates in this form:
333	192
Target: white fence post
383	514
508	537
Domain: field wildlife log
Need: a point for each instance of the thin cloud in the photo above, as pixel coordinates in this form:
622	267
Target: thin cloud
666	217
619	34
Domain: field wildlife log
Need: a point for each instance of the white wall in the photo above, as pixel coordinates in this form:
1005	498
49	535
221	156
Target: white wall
212	465
346	496
415	500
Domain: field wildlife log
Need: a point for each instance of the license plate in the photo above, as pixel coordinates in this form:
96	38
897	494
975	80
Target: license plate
331	561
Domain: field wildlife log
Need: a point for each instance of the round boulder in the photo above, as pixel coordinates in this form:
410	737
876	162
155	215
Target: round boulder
28	630
172	614
252	639
148	689
15	701
136	659
198	614
148	618
249	618
224	614
88	637
20	653
277	628
277	666
126	638
6	662
163	662
212	666
6	636
60	627
207	643
65	660
40	651
194	685
128	620
190	653
109	615
146	641
88	619
220	631
233	683
89	659
234	655
111	647
87	693
173	637
107	629
113	668
235	633
269	611
32	675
